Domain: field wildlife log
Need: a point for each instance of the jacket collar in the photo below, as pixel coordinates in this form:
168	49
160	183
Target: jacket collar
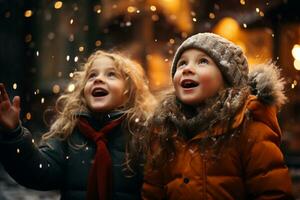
258	112
97	122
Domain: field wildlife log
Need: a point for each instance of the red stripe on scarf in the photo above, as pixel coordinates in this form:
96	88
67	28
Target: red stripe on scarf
100	174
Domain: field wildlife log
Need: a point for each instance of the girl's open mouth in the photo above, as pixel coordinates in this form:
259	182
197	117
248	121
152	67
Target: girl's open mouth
188	83
99	92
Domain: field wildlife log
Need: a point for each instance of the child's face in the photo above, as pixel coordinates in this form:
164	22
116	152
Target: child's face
197	77
105	86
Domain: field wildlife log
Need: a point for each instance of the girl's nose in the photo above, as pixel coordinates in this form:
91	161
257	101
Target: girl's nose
99	79
189	69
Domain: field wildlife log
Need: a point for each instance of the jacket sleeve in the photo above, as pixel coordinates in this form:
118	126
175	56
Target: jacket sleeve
35	167
266	175
153	186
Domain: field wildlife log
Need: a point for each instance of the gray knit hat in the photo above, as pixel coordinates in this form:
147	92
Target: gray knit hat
228	56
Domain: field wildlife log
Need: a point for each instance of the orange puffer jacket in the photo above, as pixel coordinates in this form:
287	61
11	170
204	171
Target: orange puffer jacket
250	166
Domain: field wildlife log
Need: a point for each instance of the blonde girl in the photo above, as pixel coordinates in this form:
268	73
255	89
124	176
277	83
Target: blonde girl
92	150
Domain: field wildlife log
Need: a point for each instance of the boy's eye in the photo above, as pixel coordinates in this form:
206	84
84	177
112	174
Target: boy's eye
203	61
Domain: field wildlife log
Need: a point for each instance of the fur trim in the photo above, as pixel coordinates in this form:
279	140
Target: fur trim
267	84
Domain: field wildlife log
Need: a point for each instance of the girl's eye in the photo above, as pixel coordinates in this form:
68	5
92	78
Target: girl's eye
181	63
111	74
203	61
92	75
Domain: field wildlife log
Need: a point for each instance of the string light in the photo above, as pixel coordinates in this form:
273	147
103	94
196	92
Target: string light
28	38
261	13
297	64
97	43
153	8
28	13
155	17
71	87
15	86
296	51
172	41
36	92
55	89
28	116
212	16
58	5
81	49
97	9
131	9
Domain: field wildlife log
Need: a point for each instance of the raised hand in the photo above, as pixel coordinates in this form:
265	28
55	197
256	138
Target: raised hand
9	112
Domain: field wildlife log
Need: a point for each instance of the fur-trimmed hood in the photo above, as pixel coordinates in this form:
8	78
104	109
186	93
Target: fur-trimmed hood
267	84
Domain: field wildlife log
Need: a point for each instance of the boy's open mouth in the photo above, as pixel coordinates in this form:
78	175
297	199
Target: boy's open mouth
189	83
99	92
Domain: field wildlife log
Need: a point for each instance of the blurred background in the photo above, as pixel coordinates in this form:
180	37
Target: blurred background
42	42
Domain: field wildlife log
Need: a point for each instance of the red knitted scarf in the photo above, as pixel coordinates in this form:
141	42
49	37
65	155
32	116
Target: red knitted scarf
100	174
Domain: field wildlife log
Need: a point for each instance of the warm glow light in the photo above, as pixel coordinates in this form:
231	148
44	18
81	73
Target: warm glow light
212	15
55	89
131	9
228	28
242	2
97	9
71	87
296	51
97	43
81	49
261	13
297	64
28	116
28	13
153	8
58	5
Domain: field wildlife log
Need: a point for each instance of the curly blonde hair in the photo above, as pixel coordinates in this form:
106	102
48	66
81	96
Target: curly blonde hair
138	108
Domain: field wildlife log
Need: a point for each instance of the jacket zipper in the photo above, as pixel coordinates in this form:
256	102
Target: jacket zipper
204	177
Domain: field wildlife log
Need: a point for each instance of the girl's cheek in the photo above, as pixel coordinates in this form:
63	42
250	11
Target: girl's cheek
207	79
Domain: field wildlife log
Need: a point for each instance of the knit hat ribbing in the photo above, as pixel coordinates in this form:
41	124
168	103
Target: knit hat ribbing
228	57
